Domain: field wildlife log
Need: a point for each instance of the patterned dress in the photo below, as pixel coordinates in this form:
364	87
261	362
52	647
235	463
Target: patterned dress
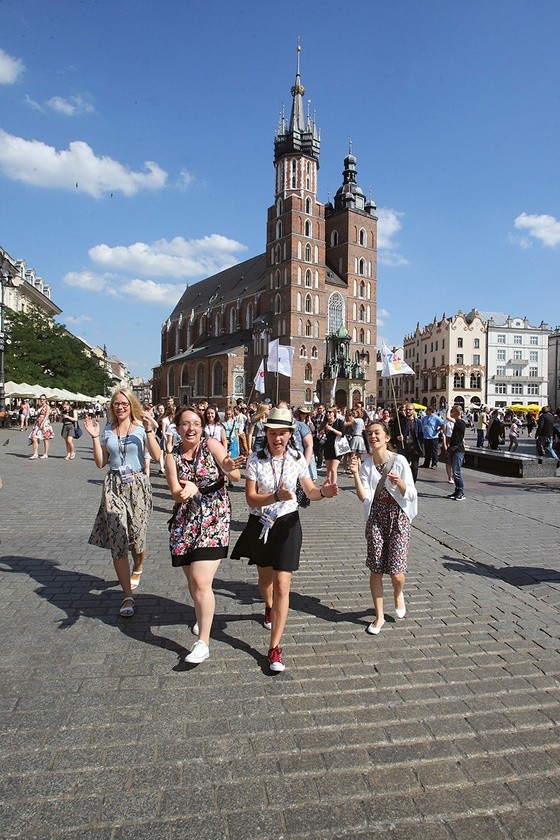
387	536
200	531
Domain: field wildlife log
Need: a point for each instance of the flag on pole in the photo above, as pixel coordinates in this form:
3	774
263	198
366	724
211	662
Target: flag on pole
259	378
393	363
333	389
280	358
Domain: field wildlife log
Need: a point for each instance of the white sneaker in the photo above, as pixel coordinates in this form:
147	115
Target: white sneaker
199	652
194	629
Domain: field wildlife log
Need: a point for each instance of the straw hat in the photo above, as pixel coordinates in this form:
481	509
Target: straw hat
279	418
303	409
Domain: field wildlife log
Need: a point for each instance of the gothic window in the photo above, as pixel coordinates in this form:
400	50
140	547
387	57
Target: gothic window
277	254
459	380
362	290
475	380
361	337
334	238
202	325
314	353
277	305
335	312
294	174
308	253
308	206
277	280
184	376
171	382
308	395
307	176
308	306
308	374
249	317
217	323
279	229
362	313
361	266
239	385
307	227
217	377
362	237
308	281
232	320
200	380
308	332
279	207
302	352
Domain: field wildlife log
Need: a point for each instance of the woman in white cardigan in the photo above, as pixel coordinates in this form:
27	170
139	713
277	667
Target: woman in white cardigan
385	485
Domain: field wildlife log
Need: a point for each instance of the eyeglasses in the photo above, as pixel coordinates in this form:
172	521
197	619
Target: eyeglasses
191	425
121	405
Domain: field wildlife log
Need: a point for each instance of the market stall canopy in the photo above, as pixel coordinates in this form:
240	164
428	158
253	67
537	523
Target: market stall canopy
12	389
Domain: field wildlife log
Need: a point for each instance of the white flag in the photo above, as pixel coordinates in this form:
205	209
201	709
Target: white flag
333	389
393	363
259	378
280	358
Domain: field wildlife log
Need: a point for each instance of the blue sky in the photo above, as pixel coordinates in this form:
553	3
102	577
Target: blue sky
136	149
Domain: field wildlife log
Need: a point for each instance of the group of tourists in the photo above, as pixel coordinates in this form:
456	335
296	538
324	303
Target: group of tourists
200	460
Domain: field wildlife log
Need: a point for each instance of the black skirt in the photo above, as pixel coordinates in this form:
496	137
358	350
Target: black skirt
282	548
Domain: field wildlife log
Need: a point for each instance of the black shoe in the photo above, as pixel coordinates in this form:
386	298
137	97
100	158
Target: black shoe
453	496
459	497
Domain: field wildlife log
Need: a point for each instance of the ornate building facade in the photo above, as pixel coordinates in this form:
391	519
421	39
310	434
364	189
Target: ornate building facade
313	288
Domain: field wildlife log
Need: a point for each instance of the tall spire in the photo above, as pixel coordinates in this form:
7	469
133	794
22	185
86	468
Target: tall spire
301	136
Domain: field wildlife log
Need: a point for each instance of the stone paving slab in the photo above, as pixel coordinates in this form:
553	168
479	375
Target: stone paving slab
443	726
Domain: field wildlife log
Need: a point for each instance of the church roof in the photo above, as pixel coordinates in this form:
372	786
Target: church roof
239	281
209	346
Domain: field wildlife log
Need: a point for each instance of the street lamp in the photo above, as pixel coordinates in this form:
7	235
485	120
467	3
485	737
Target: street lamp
5	282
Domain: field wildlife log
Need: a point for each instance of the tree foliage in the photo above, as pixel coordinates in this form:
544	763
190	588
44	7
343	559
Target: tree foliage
43	353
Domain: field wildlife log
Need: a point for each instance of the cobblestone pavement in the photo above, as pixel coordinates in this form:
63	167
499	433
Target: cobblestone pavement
443	726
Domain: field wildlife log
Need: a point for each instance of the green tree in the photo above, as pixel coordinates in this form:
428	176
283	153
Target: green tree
43	353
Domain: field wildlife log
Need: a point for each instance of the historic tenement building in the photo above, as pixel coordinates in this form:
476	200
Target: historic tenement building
314	288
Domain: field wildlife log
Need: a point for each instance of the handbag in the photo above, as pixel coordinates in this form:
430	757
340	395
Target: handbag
341	446
302	499
78	431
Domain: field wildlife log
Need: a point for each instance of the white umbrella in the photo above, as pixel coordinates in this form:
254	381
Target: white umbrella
82	398
12	389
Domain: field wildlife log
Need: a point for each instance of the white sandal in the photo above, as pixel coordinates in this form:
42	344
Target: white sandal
128	611
134	584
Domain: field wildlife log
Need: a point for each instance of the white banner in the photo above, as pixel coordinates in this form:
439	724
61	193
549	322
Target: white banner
280	358
259	378
393	363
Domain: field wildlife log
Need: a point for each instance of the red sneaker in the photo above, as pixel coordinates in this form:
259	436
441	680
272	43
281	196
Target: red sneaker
275	659
267	623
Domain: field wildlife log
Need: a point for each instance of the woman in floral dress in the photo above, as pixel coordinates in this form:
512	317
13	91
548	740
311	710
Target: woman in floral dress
389	510
199	529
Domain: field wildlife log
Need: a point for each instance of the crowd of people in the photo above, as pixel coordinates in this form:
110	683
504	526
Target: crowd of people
201	451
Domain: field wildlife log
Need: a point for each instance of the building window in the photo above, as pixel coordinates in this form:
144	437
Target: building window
476	343
459	358
335	313
363	237
334	238
534	340
217	377
302	352
517	389
277	305
361	266
533	355
308	305
294	174
361	336
249	317
307	227
532	390
362	290
533	371
475	380
500	370
459	380
501	339
476	359
308	279
232	320
308	329
518	339
200	380
308	253
314	353
501	355
517	355
308	374
501	388
184	376
459	342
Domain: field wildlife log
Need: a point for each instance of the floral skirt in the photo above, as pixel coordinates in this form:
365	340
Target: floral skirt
387	537
122	519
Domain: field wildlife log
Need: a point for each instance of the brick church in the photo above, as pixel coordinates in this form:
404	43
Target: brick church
313	288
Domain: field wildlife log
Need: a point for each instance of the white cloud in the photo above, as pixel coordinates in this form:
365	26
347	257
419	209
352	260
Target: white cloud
388	227
86	280
77	167
76	319
382	315
71	106
179	257
544	228
185	179
144	291
10	68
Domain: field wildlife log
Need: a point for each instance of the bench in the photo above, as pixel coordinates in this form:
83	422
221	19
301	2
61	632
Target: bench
509	463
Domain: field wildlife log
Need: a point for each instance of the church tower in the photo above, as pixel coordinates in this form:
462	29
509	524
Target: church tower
295	248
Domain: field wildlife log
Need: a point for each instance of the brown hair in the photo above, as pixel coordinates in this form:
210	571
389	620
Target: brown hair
193	409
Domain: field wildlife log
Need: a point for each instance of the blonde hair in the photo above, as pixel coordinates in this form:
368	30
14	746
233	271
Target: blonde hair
135	407
261	411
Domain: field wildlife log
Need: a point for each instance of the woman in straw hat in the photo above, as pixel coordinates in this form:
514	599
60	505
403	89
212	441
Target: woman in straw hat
272	537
